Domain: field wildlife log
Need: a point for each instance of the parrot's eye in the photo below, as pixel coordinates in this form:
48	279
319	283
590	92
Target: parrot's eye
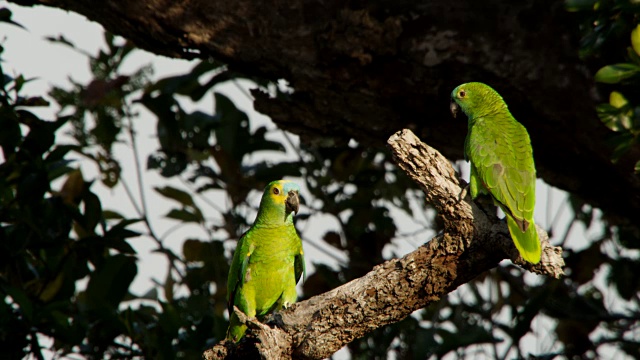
462	94
276	191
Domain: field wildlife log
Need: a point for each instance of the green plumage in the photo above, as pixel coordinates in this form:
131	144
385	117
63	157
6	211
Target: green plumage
501	157
268	261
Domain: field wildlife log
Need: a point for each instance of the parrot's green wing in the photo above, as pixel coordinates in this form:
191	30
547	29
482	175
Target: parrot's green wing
507	171
238	270
501	161
505	167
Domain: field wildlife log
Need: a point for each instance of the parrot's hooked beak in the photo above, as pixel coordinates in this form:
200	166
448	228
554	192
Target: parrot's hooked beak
454	107
293	202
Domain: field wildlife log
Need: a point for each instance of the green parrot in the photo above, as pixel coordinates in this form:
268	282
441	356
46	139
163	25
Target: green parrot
499	150
268	260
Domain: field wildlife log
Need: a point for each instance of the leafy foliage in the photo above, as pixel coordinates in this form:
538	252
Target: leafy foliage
52	239
67	264
606	28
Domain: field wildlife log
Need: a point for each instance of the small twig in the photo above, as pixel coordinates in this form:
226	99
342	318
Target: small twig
36	350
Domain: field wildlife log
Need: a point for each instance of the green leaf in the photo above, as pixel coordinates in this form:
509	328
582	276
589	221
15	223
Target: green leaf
233	133
60	151
633	57
120	231
197	128
622	142
617	100
615	118
190	212
197	93
110	281
111	215
115	240
11	134
635	39
258	142
579	5
194	250
178	195
333	238
613	74
184	215
187	84
168	286
92	211
266	172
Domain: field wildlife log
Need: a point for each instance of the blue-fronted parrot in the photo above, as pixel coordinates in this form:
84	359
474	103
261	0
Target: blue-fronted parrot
501	157
268	260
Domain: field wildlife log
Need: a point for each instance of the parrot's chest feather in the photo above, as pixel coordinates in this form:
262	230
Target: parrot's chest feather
271	270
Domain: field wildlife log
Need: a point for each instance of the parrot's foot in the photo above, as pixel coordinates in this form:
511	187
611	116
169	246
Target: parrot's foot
286	305
463	192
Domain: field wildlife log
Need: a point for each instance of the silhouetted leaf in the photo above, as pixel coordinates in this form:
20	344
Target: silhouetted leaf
120	231
5	16
178	195
112	215
184	215
109	282
195	250
60	39
623	275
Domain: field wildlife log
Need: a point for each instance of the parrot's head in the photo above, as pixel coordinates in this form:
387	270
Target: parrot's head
474	99
280	201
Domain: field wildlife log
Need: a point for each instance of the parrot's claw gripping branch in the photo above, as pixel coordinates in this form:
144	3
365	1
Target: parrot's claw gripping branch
464	192
443	189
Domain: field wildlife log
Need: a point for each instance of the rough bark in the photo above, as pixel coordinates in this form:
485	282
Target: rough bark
365	69
472	242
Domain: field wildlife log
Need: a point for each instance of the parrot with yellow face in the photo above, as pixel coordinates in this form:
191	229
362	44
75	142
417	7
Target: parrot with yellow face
268	260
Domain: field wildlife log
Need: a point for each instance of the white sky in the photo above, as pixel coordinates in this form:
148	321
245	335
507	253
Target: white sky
28	53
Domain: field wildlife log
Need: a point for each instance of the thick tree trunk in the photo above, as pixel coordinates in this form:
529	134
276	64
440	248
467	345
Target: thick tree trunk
471	243
366	69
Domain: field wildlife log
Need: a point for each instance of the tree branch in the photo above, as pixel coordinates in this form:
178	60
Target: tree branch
472	242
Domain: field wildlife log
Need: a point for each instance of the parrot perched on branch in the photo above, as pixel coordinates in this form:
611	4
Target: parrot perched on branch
501	157
268	260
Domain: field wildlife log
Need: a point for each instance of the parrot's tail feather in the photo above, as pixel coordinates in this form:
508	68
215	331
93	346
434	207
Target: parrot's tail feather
236	330
527	243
